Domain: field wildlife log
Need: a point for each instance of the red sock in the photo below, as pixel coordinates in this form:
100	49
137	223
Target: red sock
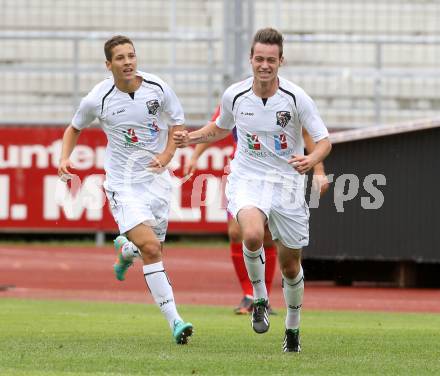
271	259
240	269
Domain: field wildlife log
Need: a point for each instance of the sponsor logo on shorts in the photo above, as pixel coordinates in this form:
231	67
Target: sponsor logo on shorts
153	106
283	118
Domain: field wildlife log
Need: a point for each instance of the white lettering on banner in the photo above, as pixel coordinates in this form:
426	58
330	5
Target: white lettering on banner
217	156
213	198
9	156
4	196
215	211
85	157
55	151
186	153
41	156
40	152
100	157
341	195
177	212
18	212
367	202
87	197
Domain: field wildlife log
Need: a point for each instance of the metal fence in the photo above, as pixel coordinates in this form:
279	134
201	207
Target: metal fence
48	89
364	62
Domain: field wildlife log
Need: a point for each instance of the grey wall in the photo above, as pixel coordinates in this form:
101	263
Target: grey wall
407	226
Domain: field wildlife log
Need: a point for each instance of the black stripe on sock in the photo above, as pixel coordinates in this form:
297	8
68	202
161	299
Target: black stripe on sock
158	271
302	279
251	257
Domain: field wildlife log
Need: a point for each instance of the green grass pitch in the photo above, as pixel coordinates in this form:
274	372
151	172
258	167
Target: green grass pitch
82	338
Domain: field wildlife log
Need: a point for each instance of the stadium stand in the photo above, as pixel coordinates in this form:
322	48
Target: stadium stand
365	62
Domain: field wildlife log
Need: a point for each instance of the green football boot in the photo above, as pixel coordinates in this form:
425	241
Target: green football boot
182	331
121	265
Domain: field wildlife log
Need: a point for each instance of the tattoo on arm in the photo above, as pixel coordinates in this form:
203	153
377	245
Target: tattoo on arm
204	137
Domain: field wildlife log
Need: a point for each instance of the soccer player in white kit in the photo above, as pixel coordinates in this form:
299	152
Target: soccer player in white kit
130	106
266	183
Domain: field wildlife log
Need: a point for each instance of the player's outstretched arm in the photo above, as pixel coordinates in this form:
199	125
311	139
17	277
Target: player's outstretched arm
70	138
209	133
191	165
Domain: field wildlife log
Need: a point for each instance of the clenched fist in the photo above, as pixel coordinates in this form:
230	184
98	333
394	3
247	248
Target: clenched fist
181	138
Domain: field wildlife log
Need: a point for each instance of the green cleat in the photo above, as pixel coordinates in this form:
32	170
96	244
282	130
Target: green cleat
182	331
121	265
292	341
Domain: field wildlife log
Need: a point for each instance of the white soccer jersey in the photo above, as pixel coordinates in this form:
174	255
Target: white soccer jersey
134	123
269	133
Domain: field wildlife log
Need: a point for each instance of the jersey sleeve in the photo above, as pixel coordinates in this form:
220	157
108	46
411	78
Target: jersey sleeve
85	114
172	106
226	118
310	118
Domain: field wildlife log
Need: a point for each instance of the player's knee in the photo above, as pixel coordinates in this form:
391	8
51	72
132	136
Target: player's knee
234	235
150	250
291	270
253	240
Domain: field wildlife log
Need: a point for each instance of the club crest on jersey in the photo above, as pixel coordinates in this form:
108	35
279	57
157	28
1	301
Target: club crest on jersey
153	106
283	118
253	142
280	141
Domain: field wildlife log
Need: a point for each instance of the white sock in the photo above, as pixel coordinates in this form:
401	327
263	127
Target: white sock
160	288
129	251
255	265
293	290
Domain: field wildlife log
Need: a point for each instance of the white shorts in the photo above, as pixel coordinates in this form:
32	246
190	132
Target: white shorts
146	202
284	206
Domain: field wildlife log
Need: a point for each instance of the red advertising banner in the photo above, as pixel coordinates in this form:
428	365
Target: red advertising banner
32	197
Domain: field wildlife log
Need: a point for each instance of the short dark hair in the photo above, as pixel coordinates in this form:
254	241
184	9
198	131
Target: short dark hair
268	35
113	42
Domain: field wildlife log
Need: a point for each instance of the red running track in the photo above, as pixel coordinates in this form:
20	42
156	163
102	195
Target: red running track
199	276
